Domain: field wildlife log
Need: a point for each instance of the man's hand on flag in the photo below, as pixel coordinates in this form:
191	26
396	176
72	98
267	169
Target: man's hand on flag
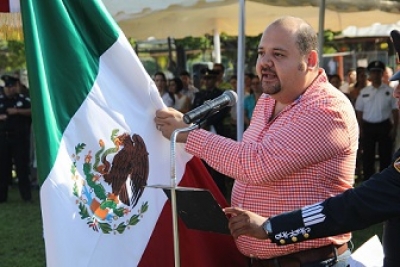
168	120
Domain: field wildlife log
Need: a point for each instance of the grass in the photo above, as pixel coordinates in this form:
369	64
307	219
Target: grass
21	233
361	236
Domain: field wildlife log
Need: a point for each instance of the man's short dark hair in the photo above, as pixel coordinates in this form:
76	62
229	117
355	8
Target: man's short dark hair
184	73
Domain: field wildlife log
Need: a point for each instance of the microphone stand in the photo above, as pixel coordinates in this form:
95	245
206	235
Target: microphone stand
173	190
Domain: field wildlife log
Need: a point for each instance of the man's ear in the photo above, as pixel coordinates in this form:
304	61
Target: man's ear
312	59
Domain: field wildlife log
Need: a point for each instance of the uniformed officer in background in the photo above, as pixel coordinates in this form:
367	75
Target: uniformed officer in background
15	123
378	117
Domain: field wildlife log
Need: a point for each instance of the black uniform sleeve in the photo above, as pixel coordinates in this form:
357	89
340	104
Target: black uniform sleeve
374	201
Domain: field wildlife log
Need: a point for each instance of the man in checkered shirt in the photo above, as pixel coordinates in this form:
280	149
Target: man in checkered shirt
300	147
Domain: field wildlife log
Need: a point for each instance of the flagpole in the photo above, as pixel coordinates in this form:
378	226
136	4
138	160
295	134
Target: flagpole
173	190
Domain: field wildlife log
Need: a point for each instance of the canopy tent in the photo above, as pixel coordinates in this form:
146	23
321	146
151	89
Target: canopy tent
374	30
180	18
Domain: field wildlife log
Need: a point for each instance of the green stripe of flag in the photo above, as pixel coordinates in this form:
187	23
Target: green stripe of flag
63	47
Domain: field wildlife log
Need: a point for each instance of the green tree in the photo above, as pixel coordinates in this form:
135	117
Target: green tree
12	55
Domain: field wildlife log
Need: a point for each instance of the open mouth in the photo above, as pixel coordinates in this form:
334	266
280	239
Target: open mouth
269	77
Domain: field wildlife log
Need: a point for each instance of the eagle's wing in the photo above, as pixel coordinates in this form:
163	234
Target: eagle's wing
140	170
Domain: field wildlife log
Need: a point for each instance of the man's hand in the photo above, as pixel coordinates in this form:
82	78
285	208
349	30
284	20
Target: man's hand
244	222
3	117
168	120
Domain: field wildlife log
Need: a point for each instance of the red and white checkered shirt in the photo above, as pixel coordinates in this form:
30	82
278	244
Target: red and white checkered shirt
305	155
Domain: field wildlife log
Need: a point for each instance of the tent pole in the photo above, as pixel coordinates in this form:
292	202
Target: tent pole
240	71
321	28
217	47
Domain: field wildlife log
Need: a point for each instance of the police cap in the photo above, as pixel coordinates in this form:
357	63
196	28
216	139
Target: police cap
9	80
209	73
376	65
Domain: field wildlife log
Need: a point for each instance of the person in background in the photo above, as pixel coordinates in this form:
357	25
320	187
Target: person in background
221	84
214	123
182	102
361	82
15	130
161	82
247	83
349	81
387	74
24	89
250	101
355	89
233	112
378	117
300	147
335	80
188	89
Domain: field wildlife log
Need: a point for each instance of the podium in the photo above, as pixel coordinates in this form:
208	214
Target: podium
197	207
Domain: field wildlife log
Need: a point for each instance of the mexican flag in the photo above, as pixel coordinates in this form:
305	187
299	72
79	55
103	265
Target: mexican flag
93	106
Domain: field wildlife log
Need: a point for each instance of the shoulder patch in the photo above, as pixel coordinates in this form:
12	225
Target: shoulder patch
396	164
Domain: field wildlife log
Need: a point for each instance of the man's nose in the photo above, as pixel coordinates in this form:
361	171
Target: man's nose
266	61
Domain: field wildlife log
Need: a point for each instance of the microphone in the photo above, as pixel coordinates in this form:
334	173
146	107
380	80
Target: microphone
228	98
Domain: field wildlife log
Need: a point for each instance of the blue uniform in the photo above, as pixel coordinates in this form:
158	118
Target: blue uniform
15	145
375	200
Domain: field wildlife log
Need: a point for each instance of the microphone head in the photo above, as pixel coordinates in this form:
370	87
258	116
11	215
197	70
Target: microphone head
232	97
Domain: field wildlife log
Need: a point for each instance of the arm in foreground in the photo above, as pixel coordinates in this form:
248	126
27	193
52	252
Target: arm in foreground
168	120
374	201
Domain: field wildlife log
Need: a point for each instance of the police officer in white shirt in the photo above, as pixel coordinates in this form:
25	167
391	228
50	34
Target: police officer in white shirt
377	115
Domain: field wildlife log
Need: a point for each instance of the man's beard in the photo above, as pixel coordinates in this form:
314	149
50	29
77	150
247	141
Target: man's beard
272	89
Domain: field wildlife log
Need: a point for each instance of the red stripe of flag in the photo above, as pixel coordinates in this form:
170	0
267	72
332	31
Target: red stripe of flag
4	6
197	248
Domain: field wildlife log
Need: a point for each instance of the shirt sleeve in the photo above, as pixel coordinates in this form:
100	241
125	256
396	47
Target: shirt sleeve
359	105
394	104
308	137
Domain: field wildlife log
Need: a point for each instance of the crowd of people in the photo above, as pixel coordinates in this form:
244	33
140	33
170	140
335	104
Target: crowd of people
370	89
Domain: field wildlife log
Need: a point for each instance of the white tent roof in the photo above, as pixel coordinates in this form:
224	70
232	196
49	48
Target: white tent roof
179	18
375	29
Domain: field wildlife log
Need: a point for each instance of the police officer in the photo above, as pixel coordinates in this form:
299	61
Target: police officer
214	123
374	201
375	107
15	121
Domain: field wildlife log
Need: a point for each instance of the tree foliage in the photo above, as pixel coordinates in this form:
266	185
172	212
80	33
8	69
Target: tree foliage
229	47
12	55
